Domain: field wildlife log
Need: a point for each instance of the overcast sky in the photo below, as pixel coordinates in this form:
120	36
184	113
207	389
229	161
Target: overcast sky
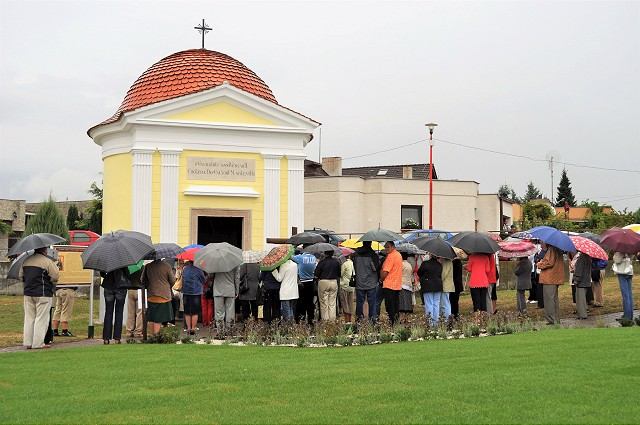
527	78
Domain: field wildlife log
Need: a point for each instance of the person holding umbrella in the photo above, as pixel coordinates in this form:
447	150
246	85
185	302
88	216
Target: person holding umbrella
391	276
287	275
623	268
523	275
192	285
430	273
551	277
328	275
158	278
479	268
366	265
114	284
39	274
582	281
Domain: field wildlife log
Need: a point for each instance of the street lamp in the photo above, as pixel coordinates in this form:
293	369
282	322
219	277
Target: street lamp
431	127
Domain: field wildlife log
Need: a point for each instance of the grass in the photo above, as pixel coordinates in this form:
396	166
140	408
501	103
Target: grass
12	313
554	376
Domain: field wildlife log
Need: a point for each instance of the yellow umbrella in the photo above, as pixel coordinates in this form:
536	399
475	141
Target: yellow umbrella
353	243
634	227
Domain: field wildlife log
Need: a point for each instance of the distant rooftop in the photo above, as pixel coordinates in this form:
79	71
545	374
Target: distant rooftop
419	171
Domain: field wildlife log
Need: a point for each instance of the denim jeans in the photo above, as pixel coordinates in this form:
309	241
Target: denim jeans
627	295
370	296
112	327
288	308
445	305
432	305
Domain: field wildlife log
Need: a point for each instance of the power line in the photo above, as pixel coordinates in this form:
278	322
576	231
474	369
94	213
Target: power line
493	151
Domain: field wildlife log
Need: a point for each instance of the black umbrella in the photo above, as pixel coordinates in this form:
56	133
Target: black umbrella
116	250
164	250
35	241
591	236
475	243
435	246
322	247
305	238
380	235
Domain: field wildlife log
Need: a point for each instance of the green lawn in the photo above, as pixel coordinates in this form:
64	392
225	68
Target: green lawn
553	376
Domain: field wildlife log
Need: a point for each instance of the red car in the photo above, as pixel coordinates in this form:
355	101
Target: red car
82	237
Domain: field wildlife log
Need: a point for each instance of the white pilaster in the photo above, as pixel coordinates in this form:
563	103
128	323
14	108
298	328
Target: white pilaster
296	192
271	195
169	195
141	190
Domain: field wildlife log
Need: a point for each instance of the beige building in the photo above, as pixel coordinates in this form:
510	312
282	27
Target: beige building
354	200
12	212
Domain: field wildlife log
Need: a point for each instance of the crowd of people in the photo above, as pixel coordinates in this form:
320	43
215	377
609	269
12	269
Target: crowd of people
311	287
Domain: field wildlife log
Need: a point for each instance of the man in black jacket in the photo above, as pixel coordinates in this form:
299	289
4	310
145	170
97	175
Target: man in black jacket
39	273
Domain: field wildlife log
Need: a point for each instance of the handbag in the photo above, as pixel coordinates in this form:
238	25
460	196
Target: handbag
177	286
352	280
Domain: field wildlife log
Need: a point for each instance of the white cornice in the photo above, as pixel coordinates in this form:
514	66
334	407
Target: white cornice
233	191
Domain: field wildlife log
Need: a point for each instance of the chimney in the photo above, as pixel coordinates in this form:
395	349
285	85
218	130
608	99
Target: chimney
407	172
332	165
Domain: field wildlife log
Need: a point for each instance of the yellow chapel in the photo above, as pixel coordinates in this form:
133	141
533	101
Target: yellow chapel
200	151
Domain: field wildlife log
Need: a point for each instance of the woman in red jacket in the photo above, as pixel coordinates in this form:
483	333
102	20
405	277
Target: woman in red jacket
479	267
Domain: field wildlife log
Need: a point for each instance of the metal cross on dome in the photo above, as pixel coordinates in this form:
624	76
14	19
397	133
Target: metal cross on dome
202	29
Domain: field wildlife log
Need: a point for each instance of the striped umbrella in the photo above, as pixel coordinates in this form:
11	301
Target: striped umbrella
589	247
164	250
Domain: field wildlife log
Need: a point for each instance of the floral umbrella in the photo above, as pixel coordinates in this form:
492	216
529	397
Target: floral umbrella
589	247
276	257
516	249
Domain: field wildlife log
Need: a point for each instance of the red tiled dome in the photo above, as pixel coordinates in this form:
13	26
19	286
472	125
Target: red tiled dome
187	72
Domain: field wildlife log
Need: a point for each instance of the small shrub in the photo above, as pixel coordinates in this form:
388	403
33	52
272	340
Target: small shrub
186	340
168	335
385	337
475	330
625	323
417	331
344	340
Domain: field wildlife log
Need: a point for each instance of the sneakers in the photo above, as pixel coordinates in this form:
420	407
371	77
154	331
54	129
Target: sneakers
532	302
55	332
65	332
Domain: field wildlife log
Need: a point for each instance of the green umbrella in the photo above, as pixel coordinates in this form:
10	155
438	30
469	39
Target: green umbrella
135	267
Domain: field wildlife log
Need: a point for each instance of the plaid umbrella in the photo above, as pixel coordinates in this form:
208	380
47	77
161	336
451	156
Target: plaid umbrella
218	258
589	247
410	248
34	241
522	235
116	250
250	257
164	250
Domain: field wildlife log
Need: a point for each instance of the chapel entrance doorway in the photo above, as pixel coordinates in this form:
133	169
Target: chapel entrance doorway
212	226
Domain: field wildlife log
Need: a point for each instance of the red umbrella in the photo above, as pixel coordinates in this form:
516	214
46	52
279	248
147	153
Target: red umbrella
589	247
516	249
622	240
188	255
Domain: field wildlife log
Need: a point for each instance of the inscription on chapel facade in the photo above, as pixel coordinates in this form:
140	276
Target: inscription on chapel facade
226	169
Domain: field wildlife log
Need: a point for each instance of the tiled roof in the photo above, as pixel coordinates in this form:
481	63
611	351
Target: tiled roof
420	171
313	169
188	72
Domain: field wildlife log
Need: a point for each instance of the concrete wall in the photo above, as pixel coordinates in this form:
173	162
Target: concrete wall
351	204
488	213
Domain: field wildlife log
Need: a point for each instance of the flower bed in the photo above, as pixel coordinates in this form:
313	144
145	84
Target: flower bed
339	334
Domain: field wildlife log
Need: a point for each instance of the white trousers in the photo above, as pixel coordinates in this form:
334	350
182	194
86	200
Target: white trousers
36	320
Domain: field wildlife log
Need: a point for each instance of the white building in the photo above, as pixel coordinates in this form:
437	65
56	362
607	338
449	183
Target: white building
354	200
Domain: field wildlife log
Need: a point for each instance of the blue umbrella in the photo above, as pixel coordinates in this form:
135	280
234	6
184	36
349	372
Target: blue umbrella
193	245
553	237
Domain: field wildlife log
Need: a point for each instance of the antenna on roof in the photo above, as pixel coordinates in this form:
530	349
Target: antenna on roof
202	29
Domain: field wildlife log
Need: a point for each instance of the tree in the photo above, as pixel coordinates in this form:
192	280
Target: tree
532	193
565	194
48	219
94	220
506	192
5	228
73	217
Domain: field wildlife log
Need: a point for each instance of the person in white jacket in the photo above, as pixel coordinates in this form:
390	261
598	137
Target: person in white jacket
623	268
287	275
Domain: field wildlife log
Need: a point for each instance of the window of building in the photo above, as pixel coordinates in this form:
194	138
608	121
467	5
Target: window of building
382	172
411	216
81	237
